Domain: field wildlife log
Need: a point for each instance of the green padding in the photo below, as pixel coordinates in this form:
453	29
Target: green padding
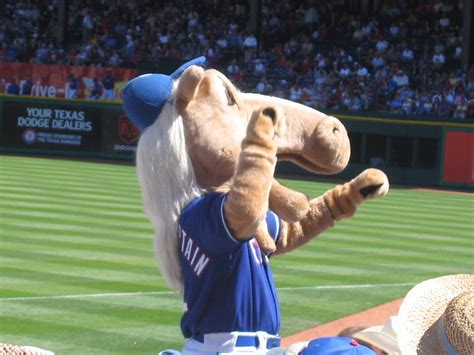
97	129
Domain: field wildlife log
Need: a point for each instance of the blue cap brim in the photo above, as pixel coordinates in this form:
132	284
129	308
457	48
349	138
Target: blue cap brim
336	346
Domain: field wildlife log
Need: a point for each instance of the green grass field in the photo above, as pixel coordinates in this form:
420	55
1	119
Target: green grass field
78	276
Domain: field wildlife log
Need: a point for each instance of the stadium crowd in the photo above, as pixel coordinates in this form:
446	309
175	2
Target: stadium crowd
402	57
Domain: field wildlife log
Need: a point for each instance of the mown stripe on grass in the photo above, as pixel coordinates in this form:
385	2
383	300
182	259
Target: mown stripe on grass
128	247
105	229
93	283
78	201
78	210
72	218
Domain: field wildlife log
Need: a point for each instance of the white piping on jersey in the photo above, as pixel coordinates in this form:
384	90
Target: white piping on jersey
225	224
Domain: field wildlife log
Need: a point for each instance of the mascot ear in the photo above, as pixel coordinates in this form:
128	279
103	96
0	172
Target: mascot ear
188	84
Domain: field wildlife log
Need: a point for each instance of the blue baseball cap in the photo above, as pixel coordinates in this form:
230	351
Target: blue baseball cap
145	95
336	346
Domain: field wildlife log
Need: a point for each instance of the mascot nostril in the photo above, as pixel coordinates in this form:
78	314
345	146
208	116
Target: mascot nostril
206	173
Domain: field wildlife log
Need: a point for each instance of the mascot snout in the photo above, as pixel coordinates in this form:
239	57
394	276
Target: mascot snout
313	140
331	144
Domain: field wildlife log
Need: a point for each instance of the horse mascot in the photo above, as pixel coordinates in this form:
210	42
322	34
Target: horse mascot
205	162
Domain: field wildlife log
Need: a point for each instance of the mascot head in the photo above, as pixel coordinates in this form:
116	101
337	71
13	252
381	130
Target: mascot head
192	125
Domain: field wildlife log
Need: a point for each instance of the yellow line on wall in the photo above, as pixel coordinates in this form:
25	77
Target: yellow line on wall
412	122
27	97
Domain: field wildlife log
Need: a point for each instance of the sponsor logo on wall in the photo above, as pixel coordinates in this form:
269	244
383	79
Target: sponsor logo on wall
128	134
51	126
119	136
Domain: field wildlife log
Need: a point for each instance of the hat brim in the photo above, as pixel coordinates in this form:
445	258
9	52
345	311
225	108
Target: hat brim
376	336
423	305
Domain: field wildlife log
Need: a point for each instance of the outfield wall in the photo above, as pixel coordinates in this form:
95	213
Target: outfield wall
425	153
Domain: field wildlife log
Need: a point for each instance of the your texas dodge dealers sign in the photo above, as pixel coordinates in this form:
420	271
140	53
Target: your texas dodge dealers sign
51	126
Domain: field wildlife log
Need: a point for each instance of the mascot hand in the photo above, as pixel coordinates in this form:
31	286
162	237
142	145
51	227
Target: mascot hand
247	201
264	125
343	200
336	204
265	241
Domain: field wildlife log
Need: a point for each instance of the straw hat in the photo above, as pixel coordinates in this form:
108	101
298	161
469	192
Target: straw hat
436	317
383	337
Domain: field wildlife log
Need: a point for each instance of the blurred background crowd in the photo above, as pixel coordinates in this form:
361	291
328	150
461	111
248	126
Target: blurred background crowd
401	56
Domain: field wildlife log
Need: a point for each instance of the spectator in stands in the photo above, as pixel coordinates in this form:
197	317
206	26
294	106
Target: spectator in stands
401	78
260	67
250	47
460	105
87	24
281	90
345	71
381	45
234	39
361	71
356	103
408	55
12	88
263	87
233	68
311	17
108	83
26	86
378	61
320	76
396	104
72	86
96	90
296	92
407	105
436	101
438	60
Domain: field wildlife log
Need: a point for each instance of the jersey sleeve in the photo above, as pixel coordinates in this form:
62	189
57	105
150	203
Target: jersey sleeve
203	220
274	226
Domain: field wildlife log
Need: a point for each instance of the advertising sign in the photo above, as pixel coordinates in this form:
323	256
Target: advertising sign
74	82
119	136
459	157
51	125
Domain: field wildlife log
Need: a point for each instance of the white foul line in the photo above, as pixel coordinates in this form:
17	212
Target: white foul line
335	287
90	295
98	295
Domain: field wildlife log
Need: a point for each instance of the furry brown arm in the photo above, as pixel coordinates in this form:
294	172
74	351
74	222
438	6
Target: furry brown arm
288	204
247	201
338	203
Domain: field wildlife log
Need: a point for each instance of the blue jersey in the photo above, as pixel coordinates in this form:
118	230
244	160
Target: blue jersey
228	284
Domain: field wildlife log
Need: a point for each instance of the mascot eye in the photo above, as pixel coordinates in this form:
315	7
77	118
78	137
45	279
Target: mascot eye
230	97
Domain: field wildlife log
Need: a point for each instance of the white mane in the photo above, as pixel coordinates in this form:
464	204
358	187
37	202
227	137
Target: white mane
168	184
